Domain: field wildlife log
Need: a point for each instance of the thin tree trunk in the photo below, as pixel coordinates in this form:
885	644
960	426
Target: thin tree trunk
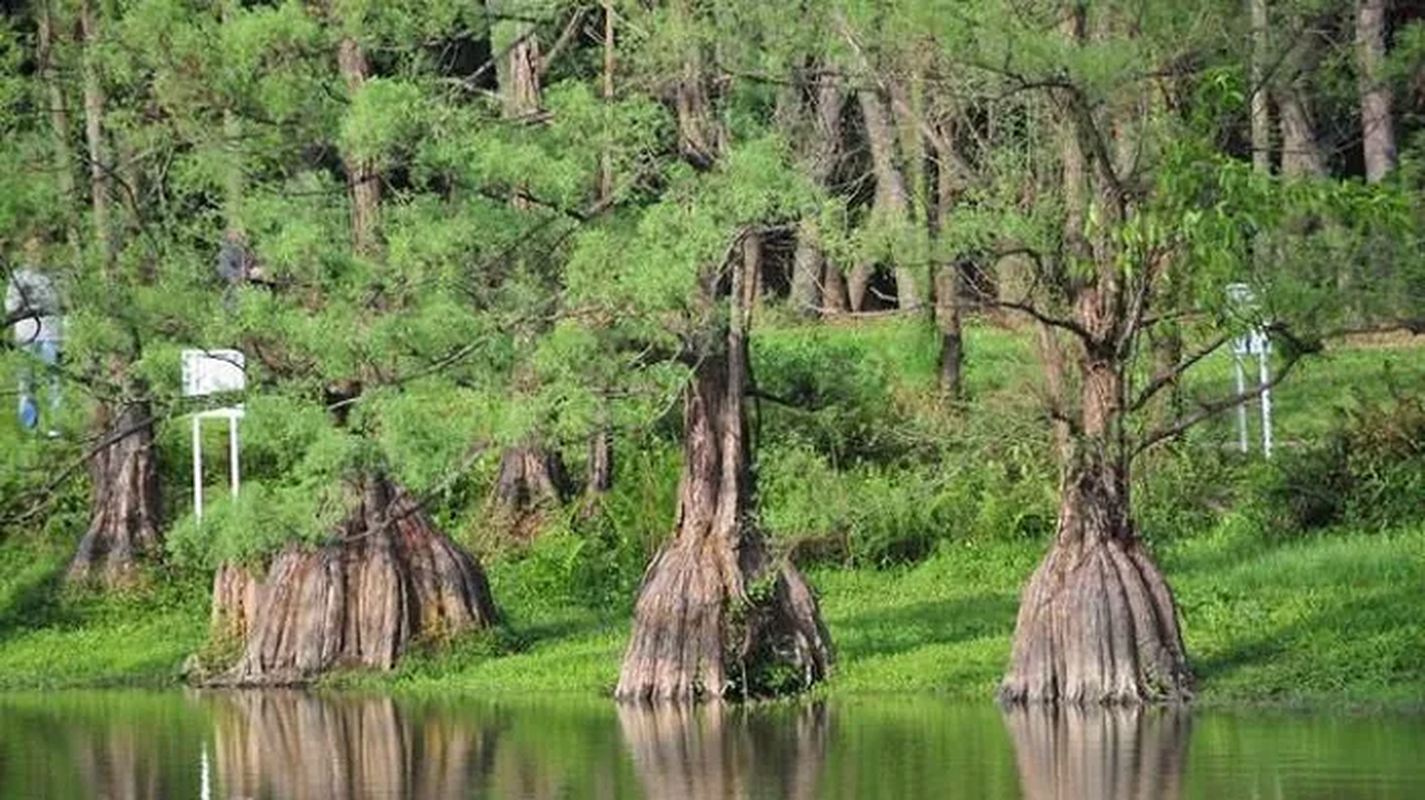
716	610
809	261
1377	126
363	179
1301	154
949	285
99	167
891	206
532	481
606	162
1261	94
59	125
387	578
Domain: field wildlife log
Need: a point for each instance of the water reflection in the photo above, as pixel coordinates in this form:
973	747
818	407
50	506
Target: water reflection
306	747
272	745
719	753
1100	753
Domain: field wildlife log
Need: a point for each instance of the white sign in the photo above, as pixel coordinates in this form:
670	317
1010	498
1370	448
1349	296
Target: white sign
208	372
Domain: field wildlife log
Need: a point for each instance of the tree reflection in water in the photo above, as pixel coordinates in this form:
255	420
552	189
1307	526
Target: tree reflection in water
717	752
1076	753
303	747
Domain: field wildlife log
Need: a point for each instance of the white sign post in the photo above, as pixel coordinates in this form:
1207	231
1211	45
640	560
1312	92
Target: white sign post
1254	343
207	372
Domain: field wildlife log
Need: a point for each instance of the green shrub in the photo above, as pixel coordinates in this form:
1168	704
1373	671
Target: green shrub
1369	472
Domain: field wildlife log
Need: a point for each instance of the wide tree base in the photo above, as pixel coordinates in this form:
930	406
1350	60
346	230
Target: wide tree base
389	579
124	523
1097	625
696	636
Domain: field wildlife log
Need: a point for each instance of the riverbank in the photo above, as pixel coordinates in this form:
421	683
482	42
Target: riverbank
1328	619
1299	581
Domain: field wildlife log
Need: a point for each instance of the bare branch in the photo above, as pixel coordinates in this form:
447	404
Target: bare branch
1167	377
1211	409
565	37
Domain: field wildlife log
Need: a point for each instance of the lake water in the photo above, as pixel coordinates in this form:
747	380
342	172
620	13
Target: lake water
303	747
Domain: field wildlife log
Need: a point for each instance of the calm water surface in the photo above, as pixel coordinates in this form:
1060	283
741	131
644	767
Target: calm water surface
304	747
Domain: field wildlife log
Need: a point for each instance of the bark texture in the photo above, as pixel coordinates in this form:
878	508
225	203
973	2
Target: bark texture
531	481
716	615
822	154
363	178
1301	153
387	578
94	101
1377	127
1100	753
125	519
1097	623
891	207
1261	100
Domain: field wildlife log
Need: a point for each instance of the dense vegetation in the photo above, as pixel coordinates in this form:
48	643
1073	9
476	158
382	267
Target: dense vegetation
615	310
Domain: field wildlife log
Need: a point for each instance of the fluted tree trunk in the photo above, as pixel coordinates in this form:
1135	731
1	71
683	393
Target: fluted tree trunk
125	523
1097	622
1377	126
386	579
716	612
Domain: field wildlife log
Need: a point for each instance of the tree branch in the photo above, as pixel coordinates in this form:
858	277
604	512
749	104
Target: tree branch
1211	409
1165	378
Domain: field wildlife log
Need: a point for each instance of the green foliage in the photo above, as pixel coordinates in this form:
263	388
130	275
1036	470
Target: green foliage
1368	473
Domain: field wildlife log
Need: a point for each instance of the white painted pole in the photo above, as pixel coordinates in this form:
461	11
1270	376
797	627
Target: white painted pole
233	471
1265	373
1242	406
197	469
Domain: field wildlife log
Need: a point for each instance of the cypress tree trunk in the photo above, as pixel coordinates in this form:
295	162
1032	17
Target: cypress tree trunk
809	262
125	513
363	179
1097	623
1301	155
94	132
1377	131
715	609
387	578
835	298
532	479
949	279
892	204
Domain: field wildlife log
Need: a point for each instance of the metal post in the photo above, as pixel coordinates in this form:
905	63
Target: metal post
1265	373
197	468
233	474
1242	406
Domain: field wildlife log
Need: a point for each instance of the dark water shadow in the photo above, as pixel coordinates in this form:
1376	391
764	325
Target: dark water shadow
718	752
1100	753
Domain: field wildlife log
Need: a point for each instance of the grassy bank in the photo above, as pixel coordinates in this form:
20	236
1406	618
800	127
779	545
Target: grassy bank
918	522
1332	618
